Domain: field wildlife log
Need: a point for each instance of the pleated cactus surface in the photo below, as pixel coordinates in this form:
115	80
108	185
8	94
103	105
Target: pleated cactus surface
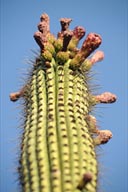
59	133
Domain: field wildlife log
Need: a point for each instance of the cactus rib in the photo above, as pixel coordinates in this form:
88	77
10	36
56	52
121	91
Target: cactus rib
71	124
31	140
42	153
53	149
62	132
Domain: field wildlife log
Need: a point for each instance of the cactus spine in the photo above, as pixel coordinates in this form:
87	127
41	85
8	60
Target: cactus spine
59	139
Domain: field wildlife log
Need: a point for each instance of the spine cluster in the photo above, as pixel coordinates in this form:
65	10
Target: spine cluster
60	135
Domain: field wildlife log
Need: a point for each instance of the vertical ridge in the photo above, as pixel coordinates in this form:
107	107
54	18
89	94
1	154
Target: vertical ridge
42	151
78	118
91	160
55	172
31	143
23	158
63	141
71	124
86	142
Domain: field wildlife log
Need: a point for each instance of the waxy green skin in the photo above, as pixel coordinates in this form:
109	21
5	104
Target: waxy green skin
58	143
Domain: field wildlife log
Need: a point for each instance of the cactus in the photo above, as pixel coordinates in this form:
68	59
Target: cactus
60	134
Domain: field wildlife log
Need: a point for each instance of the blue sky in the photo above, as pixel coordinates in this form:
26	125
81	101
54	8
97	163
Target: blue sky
108	18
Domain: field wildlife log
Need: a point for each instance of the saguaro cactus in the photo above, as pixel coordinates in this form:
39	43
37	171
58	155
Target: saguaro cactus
60	134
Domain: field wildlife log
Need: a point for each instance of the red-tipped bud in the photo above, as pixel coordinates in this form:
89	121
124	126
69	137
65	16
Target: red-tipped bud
98	56
66	39
91	43
15	96
106	97
43	27
40	39
87	64
79	32
103	137
65	23
44	17
64	26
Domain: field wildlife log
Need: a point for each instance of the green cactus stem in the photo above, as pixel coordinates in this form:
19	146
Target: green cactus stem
60	134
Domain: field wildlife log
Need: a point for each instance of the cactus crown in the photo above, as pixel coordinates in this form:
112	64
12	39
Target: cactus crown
60	135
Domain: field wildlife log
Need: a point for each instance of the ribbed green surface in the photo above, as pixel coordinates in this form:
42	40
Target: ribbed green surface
57	145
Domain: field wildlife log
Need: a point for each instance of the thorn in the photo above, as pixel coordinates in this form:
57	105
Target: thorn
106	97
103	137
87	177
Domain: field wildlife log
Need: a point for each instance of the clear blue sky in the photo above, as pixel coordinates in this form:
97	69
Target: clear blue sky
19	20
